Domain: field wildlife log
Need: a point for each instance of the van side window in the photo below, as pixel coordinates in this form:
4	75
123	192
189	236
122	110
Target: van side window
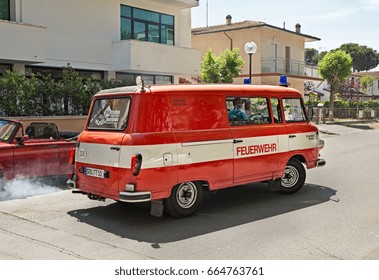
276	110
293	110
248	110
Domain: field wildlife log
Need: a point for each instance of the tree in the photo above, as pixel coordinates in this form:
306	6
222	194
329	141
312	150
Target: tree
355	86
364	58
230	63
367	81
311	56
57	93
223	68
322	54
335	67
12	86
210	68
27	100
73	92
48	94
4	9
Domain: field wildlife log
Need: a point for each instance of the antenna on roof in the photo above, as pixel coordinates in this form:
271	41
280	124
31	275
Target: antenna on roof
140	83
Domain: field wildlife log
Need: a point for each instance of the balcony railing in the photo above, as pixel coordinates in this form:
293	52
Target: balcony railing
137	56
282	66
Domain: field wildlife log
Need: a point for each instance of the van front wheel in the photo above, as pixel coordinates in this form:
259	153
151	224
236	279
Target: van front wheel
184	200
293	178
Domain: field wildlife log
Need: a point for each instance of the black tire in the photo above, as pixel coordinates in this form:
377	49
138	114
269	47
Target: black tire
293	178
184	200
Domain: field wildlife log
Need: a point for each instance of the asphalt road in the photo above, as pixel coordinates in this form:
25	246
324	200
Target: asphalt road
335	216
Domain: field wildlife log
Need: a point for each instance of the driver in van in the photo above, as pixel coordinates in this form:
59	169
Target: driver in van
236	113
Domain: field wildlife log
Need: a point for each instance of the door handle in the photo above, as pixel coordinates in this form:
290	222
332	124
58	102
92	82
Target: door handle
235	141
292	136
52	146
115	148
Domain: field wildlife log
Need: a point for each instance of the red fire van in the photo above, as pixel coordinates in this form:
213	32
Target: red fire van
166	144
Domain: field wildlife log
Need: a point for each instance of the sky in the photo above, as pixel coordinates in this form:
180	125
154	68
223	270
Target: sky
335	22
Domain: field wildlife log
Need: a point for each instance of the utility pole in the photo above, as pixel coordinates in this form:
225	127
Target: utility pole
207	13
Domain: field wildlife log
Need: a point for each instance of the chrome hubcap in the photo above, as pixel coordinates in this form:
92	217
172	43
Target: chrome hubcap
186	195
290	177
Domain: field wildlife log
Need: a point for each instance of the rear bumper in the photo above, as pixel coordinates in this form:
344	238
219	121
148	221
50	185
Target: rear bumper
133	197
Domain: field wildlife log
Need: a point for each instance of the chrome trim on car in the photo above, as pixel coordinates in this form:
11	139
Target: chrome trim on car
135	196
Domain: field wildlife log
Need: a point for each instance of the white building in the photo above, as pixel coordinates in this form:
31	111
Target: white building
102	38
320	87
373	90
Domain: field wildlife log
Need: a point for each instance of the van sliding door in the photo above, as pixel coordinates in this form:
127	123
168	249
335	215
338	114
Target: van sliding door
255	140
205	145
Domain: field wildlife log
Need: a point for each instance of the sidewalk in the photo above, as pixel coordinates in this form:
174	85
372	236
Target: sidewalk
335	129
344	128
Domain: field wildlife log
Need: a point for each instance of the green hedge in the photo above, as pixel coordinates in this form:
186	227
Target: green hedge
44	95
340	104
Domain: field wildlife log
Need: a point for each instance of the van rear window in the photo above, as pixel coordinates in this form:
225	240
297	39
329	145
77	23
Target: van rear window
109	114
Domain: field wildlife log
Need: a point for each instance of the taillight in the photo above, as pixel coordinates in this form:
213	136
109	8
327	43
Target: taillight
136	164
71	157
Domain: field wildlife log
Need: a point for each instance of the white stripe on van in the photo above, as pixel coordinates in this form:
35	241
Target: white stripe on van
155	156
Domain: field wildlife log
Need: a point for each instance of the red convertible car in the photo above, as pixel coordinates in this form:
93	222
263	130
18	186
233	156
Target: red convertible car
39	151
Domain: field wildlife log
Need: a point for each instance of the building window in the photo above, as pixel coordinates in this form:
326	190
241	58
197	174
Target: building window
56	73
130	79
92	75
4	67
163	80
144	25
4	10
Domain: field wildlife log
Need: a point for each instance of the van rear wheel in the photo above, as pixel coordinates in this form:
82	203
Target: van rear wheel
293	178
184	200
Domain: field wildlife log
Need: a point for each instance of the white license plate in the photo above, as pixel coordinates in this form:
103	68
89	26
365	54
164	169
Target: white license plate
94	172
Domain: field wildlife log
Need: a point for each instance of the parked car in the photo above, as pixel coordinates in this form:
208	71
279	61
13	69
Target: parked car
38	151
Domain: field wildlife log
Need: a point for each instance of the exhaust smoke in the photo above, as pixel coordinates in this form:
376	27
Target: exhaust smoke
22	188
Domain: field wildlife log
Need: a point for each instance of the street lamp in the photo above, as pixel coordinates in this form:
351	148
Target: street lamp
250	49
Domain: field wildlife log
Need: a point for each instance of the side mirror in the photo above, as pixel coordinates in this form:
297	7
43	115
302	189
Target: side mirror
21	140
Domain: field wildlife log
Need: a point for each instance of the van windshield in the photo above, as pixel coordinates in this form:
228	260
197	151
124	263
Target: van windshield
109	114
